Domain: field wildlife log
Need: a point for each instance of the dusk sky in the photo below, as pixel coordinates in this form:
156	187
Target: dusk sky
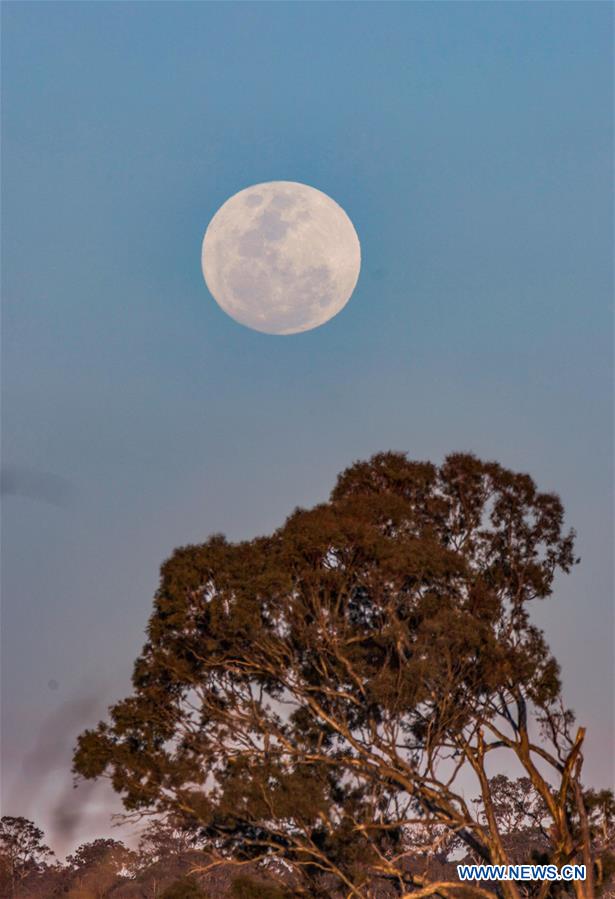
471	145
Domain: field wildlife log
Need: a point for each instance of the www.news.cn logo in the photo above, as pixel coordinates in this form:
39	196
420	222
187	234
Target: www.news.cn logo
521	872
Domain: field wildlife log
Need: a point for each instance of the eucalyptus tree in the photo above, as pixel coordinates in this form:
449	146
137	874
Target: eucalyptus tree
316	695
22	851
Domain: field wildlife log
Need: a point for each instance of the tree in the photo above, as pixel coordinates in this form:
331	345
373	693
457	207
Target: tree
245	887
96	866
521	815
316	694
22	851
107	851
600	806
186	888
162	838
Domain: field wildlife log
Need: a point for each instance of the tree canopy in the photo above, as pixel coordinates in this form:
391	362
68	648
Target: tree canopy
22	850
320	695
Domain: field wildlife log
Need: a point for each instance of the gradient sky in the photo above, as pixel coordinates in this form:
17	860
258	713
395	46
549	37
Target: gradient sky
471	145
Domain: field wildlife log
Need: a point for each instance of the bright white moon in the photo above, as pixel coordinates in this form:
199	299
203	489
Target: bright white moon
281	257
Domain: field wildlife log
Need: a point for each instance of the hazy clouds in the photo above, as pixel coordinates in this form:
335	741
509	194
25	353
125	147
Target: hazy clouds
40	486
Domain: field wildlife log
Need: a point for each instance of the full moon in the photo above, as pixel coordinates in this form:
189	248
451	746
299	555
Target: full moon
281	257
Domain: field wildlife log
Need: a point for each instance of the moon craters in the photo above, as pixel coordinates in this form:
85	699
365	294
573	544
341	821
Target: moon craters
281	257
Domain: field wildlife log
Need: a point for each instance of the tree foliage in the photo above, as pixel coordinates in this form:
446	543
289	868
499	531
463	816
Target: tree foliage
166	866
22	850
162	838
318	694
185	888
101	851
245	887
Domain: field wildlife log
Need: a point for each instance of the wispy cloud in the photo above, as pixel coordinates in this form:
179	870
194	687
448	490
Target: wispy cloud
46	791
40	486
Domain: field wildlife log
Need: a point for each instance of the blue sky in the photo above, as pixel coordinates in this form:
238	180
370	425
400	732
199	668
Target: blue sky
471	145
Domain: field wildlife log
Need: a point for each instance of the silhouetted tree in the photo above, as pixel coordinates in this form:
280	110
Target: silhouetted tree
96	866
186	888
520	813
89	855
317	694
162	838
22	851
245	887
600	806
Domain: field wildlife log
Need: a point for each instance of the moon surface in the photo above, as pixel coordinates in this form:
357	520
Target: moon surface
281	257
